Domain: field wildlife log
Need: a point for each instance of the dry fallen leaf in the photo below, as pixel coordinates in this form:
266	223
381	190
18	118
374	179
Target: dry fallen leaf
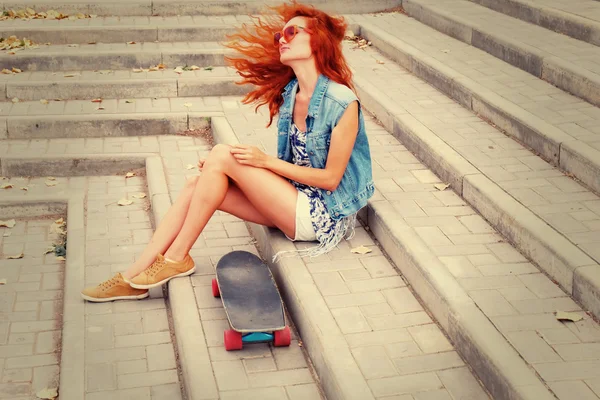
97	101
137	70
2	281
380	62
194	68
15	100
361	250
188	105
100	108
48	250
69	75
125	202
47	394
441	186
73	45
131	43
7	71
25	188
139	196
190	166
61	258
105	71
129	101
10	223
51	183
6	186
16	70
568	316
60	221
130	175
178	70
44	101
15	257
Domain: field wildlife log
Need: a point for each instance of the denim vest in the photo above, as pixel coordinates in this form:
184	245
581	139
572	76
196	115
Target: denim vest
327	105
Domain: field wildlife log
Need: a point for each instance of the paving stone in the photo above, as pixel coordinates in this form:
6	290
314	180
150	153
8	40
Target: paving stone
578	351
161	357
132	367
532	347
264	364
302	392
572	390
433	395
374	362
430	338
354	299
377	267
171	391
380	337
492	303
47	342
350	320
428	362
17	375
541	285
290	357
155	320
144	339
272	393
330	283
101	377
230	375
142	379
402	300
405	384
460	383
280	378
115	355
124	394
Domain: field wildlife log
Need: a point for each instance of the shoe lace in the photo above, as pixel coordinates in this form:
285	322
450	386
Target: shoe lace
156	266
109	283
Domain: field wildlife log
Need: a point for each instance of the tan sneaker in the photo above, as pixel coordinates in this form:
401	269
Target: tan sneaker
161	271
116	288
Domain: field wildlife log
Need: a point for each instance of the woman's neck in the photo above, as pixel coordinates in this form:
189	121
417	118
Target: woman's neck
307	76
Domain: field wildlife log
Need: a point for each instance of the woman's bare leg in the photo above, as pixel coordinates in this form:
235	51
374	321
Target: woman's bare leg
235	203
271	195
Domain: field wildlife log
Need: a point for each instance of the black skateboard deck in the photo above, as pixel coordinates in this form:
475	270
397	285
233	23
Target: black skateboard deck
250	297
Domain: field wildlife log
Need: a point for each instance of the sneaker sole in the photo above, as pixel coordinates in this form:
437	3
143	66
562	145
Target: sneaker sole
153	285
104	300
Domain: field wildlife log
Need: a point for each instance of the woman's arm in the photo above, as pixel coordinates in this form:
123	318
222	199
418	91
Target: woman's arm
343	137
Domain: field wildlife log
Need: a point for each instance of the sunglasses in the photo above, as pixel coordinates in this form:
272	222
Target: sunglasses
288	33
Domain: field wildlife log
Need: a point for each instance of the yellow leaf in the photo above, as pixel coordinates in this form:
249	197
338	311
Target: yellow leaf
44	101
189	166
139	196
59	221
194	68
568	316
8	223
47	394
6	71
188	105
15	100
124	202
129	174
15	257
441	186
16	70
361	250
6	186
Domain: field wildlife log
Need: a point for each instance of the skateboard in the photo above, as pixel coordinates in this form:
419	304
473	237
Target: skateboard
251	300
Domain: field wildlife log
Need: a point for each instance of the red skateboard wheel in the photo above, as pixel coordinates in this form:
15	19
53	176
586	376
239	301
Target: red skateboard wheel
283	337
232	340
215	288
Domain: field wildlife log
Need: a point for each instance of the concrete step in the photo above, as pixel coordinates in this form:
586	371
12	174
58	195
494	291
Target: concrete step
120	29
110	56
559	127
531	203
190	7
579	19
118	117
119	84
570	64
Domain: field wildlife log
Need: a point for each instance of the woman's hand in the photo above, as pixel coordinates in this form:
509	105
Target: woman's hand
201	164
249	155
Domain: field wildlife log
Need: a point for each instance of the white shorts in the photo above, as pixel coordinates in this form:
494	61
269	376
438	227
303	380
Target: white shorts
304	227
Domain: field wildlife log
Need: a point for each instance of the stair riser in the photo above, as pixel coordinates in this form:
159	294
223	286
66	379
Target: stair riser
71	166
29	61
151	88
112	125
215	7
86	35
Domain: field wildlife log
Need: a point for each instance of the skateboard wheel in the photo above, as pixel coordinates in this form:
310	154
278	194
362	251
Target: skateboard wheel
283	337
215	288
232	340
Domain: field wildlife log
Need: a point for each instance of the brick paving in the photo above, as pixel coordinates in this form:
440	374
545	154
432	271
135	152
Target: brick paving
30	308
559	200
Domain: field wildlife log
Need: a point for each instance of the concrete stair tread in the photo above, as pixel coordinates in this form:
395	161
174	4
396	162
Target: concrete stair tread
544	117
551	44
588	9
462	148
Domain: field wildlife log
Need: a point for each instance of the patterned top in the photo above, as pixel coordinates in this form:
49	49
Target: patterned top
329	232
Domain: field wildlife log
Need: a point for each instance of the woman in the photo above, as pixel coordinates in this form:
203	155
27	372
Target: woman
321	176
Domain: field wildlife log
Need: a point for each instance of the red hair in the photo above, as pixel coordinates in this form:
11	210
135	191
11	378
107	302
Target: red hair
258	60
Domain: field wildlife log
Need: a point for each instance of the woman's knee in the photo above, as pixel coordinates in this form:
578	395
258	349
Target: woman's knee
220	157
191	182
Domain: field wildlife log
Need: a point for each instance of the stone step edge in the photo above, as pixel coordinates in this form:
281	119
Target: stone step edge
329	352
554	19
104	125
72	357
186	7
569	77
552	144
177	86
546	247
194	359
